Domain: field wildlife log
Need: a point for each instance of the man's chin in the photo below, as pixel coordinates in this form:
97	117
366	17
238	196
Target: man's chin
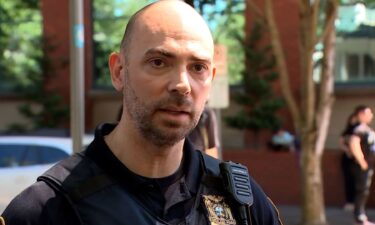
166	140
170	136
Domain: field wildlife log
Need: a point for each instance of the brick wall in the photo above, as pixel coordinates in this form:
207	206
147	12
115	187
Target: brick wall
279	175
56	32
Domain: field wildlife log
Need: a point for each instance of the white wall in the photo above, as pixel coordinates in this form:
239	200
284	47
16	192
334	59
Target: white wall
9	114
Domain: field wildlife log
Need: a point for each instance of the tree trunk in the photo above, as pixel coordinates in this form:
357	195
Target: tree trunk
311	120
312	183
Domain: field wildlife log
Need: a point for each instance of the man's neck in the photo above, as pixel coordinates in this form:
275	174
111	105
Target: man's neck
142	157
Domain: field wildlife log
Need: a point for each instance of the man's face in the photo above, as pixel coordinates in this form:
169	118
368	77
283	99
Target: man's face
167	77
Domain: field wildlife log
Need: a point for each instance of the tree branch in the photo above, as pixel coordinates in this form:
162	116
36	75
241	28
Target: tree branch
326	89
311	21
329	23
281	64
314	19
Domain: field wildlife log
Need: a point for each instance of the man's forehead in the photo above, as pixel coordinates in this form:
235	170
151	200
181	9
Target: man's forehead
167	38
172	17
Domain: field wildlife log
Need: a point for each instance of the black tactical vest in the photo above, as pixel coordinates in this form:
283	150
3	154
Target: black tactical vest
96	198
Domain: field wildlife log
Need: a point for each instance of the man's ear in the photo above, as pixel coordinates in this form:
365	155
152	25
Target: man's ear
116	70
213	72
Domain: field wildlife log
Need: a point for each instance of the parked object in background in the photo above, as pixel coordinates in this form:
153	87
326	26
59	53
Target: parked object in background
282	140
24	158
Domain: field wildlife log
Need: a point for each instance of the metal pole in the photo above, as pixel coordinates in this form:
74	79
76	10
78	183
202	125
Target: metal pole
77	102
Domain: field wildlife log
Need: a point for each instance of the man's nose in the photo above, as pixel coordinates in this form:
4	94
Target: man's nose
180	82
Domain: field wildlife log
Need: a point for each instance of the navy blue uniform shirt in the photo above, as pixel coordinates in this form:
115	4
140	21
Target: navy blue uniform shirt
170	198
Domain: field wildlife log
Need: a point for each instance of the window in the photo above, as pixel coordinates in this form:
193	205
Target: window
11	155
109	20
355	45
32	156
369	64
51	155
14	155
352	65
355	68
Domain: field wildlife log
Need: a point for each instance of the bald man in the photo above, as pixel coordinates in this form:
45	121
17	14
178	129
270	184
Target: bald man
142	170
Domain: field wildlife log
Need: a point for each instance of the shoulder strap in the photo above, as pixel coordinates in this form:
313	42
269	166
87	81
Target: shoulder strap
77	177
55	176
210	164
90	186
211	175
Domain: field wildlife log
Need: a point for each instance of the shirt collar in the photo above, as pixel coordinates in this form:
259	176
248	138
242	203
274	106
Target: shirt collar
100	153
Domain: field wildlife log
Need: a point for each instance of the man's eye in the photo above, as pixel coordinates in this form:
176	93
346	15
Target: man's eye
157	63
199	68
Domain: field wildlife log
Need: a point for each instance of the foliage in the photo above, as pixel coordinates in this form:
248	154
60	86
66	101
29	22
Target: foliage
258	100
367	2
110	19
43	108
226	20
20	31
22	65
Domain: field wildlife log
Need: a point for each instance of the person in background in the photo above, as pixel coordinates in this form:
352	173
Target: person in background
142	170
361	144
346	162
205	135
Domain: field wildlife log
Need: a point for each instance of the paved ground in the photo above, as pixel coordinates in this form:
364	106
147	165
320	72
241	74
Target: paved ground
335	216
291	215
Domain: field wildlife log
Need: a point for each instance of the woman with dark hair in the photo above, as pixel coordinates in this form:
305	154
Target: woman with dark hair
361	143
346	161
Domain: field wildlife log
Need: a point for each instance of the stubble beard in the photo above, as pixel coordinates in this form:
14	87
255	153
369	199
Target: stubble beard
166	133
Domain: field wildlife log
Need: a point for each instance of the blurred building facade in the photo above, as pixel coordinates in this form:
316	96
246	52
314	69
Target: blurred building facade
355	82
355	73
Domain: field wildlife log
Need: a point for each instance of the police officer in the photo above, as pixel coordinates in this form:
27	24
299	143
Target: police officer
142	170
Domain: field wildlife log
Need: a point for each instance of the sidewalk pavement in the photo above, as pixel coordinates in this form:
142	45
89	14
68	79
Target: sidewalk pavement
291	215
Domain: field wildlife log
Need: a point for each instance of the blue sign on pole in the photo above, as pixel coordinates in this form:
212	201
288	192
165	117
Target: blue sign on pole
79	35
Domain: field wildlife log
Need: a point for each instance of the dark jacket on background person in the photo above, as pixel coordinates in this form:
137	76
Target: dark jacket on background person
362	178
94	187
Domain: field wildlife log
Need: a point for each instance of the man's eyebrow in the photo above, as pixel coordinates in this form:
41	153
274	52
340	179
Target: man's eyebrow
201	59
169	54
157	51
